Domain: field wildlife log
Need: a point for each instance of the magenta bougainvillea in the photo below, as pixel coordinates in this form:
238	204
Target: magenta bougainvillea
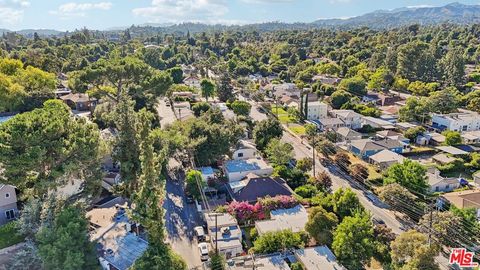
245	212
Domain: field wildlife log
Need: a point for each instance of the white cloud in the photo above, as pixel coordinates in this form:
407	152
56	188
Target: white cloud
11	11
420	6
339	1
183	10
267	1
73	9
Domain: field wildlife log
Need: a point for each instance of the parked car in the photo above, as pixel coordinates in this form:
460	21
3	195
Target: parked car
200	233
378	221
203	248
190	199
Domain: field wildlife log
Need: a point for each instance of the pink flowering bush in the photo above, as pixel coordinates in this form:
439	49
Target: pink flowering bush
245	212
278	202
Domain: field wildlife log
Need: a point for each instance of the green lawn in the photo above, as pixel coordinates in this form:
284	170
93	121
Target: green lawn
297	129
9	236
280	110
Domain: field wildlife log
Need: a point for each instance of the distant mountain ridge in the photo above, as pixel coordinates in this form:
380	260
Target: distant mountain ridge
454	13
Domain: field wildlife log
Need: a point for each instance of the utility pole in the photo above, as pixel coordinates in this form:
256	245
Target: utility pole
216	229
216	234
430	224
313	158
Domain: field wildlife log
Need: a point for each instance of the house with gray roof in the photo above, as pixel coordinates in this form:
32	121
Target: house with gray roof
365	148
347	134
253	188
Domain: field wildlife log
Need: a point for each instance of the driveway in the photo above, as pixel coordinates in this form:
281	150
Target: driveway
180	219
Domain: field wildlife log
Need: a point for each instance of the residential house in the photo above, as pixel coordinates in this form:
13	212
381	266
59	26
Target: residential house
350	118
390	110
236	170
443	159
462	121
386	158
471	137
289	101
119	243
347	134
464	199
192	81
454	151
110	180
277	91
404	126
377	123
62	91
329	123
370	97
316	258
8	203
435	138
184	95
253	188
207	173
327	79
293	219
439	183
365	148
262	262
79	101
225	233
188	69
316	110
244	150
392	135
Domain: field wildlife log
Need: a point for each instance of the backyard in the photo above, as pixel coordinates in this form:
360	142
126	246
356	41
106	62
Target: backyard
9	235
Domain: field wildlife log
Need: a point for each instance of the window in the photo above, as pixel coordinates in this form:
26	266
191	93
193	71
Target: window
7	195
10	214
240	154
437	188
447	186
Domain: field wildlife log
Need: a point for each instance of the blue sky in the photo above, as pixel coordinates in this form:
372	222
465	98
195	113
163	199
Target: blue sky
104	14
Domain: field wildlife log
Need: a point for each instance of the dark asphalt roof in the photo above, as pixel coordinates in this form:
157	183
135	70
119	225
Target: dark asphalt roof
262	187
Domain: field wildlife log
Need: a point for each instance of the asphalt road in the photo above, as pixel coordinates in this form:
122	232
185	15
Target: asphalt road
180	219
165	113
340	179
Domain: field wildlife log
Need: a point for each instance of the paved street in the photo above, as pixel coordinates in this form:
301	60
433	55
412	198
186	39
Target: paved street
339	179
180	219
165	112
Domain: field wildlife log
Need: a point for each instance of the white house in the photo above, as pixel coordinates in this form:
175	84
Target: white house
316	110
192	81
293	219
377	123
316	258
236	170
224	231
438	183
350	118
244	150
462	121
